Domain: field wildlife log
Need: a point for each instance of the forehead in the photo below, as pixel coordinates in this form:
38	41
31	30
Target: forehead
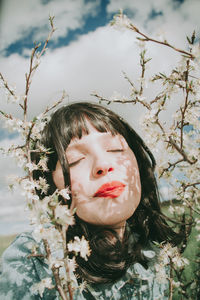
92	136
80	123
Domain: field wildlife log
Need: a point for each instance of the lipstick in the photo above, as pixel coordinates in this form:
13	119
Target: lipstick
111	189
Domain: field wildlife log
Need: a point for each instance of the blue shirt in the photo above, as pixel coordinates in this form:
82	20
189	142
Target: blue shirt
20	273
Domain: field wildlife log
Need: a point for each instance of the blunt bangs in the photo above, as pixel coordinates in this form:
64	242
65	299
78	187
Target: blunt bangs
73	121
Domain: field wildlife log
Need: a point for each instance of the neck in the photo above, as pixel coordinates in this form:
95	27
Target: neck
120	229
120	232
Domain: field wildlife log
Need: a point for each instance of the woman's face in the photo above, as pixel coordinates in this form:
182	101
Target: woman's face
105	181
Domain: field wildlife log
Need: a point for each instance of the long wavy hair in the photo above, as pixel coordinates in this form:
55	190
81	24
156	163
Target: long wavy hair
110	256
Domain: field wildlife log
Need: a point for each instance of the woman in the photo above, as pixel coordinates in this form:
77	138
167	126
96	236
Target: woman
110	173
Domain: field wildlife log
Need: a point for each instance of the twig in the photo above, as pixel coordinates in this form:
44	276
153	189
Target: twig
6	115
171	280
128	79
69	287
191	184
171	165
133	101
9	89
58	284
183	110
55	272
181	151
36	255
192	207
55	104
165	43
143	63
32	67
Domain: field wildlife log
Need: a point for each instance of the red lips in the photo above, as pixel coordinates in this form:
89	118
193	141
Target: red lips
111	189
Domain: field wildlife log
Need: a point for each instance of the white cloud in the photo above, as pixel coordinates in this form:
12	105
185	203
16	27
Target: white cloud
19	18
92	63
13	217
8	164
175	22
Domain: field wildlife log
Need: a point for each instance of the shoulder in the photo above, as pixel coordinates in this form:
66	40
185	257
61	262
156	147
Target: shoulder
149	282
19	253
137	283
20	270
20	247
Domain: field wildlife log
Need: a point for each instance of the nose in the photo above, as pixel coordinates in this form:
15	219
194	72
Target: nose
102	169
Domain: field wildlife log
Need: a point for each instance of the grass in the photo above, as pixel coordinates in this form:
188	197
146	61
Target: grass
191	253
5	242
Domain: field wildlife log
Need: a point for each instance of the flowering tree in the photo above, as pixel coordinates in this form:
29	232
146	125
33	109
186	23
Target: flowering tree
50	218
177	140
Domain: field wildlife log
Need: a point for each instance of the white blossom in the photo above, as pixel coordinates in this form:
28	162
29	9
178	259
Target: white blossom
37	129
63	215
71	265
14	124
179	261
117	96
121	21
65	193
161	274
28	185
43	185
169	253
56	262
196	52
49	233
30	196
43	163
14	98
40	213
40	287
79	246
19	155
31	166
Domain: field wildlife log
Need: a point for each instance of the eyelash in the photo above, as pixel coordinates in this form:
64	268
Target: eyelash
116	150
76	162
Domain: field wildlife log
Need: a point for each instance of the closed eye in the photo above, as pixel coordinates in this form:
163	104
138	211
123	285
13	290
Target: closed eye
115	150
74	163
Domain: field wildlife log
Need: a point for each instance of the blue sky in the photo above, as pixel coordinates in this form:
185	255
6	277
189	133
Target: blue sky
91	22
99	16
85	55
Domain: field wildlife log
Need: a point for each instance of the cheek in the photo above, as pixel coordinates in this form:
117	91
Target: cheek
80	196
132	176
134	179
77	185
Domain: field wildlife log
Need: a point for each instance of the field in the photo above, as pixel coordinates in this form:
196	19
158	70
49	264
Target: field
5	242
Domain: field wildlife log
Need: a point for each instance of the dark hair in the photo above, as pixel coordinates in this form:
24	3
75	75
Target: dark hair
110	257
